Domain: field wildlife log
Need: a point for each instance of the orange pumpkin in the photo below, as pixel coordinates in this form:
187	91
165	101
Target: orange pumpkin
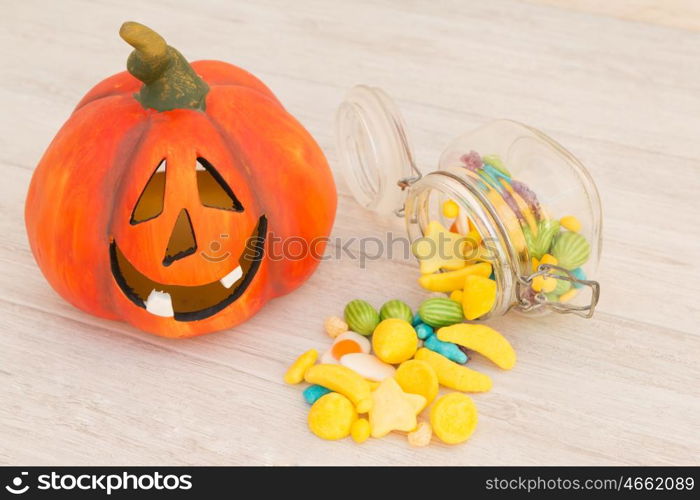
158	201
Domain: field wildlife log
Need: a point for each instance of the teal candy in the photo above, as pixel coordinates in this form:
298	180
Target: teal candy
447	349
314	392
495	173
580	275
496	162
424	331
489	179
416	320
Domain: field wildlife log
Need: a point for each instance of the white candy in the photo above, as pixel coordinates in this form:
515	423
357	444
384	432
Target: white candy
368	366
361	340
327	358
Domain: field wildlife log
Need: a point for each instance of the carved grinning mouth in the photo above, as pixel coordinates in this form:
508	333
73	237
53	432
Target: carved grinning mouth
189	303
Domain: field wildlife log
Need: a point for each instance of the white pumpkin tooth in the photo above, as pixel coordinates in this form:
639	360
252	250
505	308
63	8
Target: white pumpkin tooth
232	277
160	304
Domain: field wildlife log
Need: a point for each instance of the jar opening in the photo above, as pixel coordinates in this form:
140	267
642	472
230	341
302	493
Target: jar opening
424	206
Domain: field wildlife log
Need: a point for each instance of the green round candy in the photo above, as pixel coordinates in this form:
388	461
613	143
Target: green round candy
439	312
396	309
562	287
361	317
571	250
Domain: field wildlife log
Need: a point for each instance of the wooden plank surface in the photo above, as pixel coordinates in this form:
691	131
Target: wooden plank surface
623	95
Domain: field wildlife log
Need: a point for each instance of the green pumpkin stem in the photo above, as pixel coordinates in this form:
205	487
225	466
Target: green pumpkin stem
169	82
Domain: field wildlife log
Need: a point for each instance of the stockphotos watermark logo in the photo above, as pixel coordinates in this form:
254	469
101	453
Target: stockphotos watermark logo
103	483
18	485
360	250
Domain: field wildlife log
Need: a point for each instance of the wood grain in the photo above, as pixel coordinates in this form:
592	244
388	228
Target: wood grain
624	96
675	13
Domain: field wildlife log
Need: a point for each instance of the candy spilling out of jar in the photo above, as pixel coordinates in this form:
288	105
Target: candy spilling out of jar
383	371
456	262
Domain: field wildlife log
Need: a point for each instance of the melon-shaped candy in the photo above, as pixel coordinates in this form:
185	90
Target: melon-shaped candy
396	309
439	312
361	317
539	244
571	250
562	287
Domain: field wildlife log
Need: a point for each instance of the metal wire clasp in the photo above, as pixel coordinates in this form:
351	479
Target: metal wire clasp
406	182
523	283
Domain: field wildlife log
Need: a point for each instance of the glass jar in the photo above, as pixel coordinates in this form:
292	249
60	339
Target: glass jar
513	185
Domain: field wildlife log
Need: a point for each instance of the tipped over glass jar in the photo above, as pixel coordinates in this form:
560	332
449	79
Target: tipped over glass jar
517	199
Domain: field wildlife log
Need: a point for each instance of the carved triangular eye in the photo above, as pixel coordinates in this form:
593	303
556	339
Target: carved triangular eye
150	203
213	190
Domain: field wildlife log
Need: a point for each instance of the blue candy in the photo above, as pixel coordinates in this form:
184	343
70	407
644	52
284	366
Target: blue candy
448	349
424	331
578	272
416	320
494	172
314	392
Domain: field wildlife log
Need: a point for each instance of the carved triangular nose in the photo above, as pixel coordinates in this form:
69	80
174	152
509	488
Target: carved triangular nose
182	241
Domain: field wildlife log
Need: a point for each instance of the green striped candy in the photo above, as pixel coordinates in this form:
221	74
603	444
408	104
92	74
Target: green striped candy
396	309
361	317
562	287
571	250
539	245
439	312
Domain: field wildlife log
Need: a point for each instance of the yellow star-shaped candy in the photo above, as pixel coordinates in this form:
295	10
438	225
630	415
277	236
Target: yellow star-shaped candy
393	409
440	248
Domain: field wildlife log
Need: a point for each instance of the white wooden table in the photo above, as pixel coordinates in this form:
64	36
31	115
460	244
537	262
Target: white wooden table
619	85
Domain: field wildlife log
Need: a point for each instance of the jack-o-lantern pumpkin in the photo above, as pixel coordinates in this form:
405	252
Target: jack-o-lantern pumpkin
156	201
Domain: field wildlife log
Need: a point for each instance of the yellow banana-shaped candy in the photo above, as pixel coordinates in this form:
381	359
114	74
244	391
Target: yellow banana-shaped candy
453	375
341	379
482	339
295	373
453	280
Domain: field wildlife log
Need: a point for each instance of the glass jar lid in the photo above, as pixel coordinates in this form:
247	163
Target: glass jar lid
374	150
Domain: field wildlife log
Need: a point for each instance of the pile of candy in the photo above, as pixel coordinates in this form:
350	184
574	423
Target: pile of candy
455	261
392	378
